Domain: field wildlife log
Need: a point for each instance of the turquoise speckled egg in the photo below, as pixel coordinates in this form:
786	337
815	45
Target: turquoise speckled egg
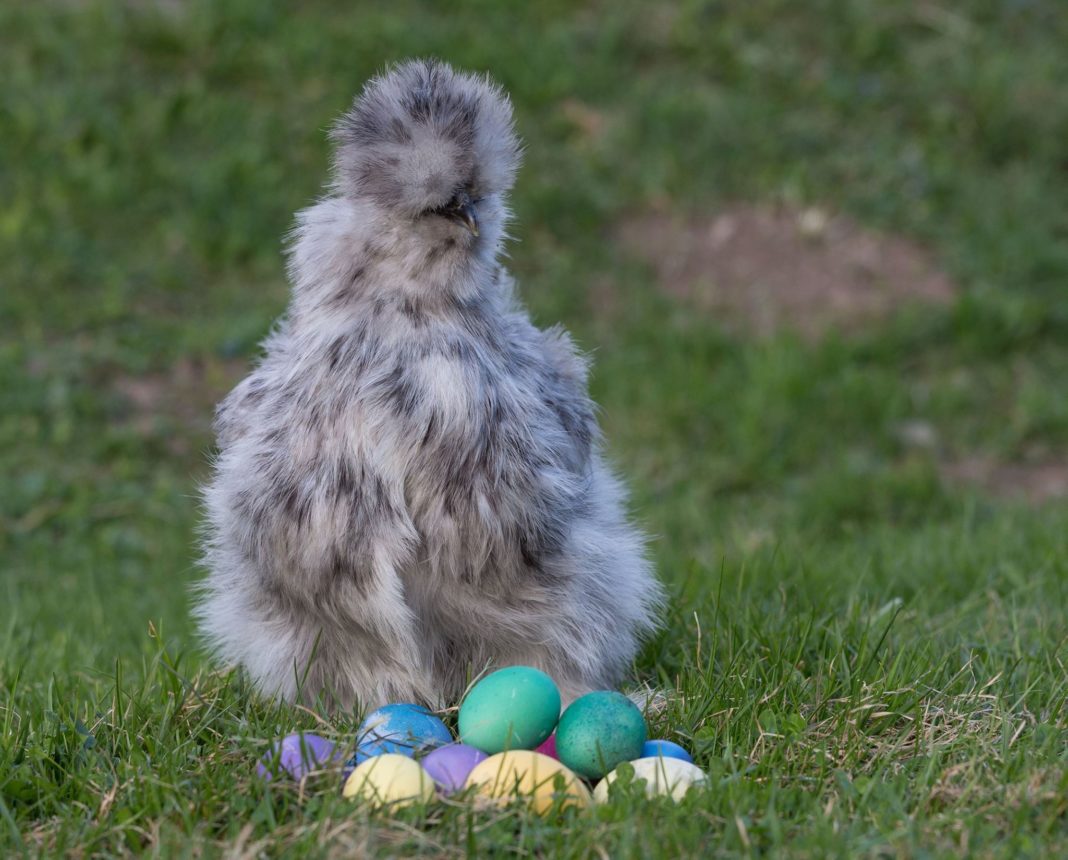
510	709
599	731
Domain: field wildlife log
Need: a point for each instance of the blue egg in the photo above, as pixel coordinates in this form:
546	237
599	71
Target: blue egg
665	749
403	729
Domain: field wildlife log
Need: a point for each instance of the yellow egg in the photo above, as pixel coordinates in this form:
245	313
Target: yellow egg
389	780
529	776
663	776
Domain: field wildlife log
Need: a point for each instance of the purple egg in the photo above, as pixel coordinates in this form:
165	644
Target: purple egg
450	765
297	755
548	747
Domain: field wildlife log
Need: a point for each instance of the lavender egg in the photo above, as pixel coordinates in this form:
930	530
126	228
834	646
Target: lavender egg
296	756
450	765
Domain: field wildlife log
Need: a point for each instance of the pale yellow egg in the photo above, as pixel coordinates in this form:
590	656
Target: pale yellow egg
672	777
529	776
389	780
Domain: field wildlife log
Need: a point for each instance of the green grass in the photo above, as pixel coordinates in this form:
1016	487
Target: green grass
870	661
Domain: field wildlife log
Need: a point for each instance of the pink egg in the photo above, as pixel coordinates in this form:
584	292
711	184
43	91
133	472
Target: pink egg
548	747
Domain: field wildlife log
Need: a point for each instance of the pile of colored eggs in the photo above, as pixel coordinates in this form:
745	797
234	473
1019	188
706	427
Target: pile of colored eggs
514	744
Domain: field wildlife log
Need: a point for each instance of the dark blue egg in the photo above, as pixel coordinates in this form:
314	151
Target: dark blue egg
403	729
665	749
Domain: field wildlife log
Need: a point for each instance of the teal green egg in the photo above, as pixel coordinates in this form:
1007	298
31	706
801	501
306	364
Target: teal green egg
599	731
511	709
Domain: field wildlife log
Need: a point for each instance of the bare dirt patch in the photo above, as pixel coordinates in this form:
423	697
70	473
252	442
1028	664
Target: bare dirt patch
183	397
1034	482
771	268
587	120
1037	474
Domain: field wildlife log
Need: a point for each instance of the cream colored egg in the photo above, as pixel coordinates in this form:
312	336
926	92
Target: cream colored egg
529	776
663	776
389	780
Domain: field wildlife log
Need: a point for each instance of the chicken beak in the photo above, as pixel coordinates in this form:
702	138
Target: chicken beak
467	216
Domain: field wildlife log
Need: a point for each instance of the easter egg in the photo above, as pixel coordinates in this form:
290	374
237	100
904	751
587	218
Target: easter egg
389	779
598	731
670	777
297	755
529	777
548	747
449	765
667	749
402	729
513	708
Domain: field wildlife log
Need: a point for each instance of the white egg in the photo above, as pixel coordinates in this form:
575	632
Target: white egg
670	777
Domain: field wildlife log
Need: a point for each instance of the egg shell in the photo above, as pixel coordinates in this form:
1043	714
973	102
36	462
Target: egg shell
513	708
667	749
449	765
403	729
297	755
389	779
530	777
548	747
598	731
669	777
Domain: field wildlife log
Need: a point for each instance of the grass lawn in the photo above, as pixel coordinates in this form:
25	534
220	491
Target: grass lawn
869	648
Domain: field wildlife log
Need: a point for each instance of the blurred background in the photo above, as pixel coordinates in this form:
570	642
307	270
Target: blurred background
819	252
